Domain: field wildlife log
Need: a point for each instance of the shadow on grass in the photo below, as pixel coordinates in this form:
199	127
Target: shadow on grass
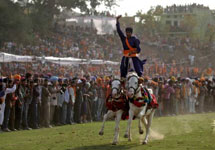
106	147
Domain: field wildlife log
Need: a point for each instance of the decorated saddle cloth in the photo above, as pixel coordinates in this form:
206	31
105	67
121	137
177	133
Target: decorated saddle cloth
117	104
148	98
153	103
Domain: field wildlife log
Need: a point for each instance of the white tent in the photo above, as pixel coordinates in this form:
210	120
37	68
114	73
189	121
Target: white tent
5	57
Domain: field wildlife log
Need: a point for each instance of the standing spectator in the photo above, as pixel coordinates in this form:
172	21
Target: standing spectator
34	104
53	90
27	102
94	99
176	101
54	102
160	98
78	102
209	97
168	91
21	92
194	96
184	98
45	105
39	105
189	91
8	105
60	100
101	98
3	93
67	94
70	106
202	94
13	110
84	105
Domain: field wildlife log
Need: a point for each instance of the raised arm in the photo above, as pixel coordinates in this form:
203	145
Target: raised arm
10	90
119	31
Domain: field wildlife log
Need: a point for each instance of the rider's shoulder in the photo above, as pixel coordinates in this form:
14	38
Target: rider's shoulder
135	38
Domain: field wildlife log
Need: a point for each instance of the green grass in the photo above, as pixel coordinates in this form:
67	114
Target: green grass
188	132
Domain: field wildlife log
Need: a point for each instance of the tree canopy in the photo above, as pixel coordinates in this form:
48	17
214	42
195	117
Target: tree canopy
24	17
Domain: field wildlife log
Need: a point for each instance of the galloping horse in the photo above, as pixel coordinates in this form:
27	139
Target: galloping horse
117	106
140	107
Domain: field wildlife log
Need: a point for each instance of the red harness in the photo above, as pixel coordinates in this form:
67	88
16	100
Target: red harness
116	104
139	102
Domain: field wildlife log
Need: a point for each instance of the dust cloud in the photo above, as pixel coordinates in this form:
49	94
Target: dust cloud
213	127
156	136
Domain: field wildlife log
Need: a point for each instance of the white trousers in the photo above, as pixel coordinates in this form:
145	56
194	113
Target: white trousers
2	107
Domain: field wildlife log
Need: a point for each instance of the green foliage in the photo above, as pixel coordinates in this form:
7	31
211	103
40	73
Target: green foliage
149	23
14	24
25	17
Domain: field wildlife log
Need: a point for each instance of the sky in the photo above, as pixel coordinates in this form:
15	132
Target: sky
132	6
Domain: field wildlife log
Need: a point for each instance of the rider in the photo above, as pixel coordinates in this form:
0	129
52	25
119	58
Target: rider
131	47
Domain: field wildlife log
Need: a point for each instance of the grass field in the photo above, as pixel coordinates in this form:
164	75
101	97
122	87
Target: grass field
187	132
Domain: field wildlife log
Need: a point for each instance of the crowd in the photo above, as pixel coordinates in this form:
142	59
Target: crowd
43	100
183	95
83	42
69	41
34	101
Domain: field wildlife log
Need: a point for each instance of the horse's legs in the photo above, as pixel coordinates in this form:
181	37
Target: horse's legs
148	125
117	120
128	133
140	125
106	116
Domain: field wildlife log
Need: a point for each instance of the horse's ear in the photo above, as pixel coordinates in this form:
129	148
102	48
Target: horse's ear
140	80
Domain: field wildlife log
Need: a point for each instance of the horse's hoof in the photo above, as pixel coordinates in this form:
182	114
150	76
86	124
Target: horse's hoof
101	133
125	136
114	143
141	132
144	143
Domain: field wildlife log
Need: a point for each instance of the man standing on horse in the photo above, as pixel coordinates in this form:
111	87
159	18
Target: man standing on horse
131	50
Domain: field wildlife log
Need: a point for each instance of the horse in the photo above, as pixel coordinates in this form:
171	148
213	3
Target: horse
117	106
138	98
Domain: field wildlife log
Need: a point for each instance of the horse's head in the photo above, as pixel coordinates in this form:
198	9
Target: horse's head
115	88
132	84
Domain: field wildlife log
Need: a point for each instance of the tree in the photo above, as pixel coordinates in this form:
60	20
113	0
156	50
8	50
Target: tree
14	24
43	11
188	24
24	17
149	23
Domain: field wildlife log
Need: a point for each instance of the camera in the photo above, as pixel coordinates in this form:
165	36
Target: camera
62	90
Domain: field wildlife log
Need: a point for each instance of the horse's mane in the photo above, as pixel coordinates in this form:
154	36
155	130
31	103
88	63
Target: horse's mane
131	74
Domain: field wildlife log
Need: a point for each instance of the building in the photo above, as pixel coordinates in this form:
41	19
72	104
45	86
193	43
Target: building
182	19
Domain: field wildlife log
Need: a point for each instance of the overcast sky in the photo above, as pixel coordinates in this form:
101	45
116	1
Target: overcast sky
132	6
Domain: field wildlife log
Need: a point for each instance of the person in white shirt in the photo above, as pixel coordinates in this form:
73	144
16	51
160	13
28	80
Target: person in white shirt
66	101
3	93
70	106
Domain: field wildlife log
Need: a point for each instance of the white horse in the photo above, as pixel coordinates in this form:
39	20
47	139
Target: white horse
116	104
138	107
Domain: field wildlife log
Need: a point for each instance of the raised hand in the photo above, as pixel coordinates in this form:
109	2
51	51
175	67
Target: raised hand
118	17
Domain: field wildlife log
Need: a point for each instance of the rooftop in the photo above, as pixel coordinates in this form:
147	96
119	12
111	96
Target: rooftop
184	8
